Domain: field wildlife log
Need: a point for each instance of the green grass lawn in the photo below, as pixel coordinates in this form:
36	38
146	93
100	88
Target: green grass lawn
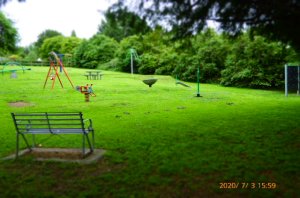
160	141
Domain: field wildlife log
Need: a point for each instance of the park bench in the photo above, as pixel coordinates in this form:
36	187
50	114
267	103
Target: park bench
53	124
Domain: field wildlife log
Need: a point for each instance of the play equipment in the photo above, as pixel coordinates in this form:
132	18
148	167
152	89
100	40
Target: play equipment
150	81
55	63
181	83
87	91
13	67
133	55
292	78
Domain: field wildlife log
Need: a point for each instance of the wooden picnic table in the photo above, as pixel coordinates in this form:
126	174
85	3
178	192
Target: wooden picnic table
93	75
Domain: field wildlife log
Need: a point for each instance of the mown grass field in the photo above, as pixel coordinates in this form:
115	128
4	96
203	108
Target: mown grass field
160	141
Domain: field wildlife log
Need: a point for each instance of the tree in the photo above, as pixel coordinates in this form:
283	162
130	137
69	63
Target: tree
3	2
59	44
120	23
51	44
73	33
30	53
69	44
8	35
277	19
97	50
45	35
255	63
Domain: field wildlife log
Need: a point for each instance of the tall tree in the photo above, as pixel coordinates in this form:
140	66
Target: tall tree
44	35
120	23
274	18
8	35
73	33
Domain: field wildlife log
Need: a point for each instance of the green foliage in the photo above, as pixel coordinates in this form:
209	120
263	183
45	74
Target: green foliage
98	50
29	53
256	63
45	35
14	57
51	44
211	50
69	44
8	35
60	45
120	23
159	55
207	51
31	56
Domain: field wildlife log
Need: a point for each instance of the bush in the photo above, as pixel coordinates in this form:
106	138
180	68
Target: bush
256	63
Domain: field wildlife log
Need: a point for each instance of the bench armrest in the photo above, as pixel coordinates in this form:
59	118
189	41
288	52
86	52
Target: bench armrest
90	127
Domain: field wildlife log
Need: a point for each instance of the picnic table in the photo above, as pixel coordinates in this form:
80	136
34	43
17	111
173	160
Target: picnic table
93	75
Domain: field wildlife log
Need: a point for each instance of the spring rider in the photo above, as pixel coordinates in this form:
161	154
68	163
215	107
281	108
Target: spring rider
87	91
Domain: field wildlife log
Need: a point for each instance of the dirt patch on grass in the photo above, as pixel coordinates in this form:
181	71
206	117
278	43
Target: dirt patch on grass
20	103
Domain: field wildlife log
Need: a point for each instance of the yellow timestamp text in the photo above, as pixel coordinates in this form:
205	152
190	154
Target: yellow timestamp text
248	185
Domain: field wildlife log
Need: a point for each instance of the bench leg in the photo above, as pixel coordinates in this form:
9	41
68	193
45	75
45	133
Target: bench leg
89	142
17	146
93	140
83	145
33	140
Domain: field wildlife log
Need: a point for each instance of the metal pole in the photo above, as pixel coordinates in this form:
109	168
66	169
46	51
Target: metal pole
131	54
298	80
198	82
286	79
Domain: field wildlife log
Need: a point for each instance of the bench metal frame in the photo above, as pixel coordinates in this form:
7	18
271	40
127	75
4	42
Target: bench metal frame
55	124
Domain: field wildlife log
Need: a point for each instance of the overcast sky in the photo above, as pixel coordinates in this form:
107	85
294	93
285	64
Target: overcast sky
34	16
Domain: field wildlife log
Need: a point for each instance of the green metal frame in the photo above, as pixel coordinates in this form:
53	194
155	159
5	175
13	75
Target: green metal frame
4	67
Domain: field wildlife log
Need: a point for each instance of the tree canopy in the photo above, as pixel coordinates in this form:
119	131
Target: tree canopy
45	35
120	23
3	2
8	35
277	19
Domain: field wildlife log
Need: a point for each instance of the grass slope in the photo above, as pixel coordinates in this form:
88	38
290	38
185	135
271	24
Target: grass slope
161	141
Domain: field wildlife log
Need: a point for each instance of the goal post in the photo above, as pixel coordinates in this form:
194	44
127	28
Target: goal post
292	78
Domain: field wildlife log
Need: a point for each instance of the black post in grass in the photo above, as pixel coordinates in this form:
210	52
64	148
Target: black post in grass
198	83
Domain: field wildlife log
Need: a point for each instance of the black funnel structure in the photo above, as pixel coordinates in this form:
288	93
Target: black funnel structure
150	81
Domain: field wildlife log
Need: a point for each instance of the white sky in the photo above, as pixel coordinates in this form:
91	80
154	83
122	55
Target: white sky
35	16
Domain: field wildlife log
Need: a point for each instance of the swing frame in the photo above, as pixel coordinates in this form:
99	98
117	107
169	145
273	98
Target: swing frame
55	64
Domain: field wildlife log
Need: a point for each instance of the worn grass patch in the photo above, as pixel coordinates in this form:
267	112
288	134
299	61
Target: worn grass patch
161	141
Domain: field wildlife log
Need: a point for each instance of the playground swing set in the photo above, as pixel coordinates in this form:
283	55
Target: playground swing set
57	66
